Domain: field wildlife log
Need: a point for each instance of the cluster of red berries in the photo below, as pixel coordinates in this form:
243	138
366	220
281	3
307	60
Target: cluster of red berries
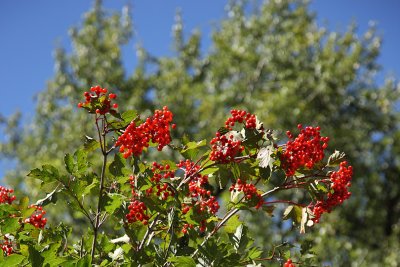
340	182
201	198
241	116
289	263
224	149
137	209
98	101
7	247
36	219
6	195
161	171
249	191
304	151
163	190
137	212
185	228
155	128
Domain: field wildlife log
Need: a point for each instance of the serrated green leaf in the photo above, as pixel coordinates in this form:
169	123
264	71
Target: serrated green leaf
113	202
88	189
12	260
125	119
81	161
48	174
116	167
10	225
182	261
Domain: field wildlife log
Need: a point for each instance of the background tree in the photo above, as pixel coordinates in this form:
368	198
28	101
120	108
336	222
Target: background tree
270	58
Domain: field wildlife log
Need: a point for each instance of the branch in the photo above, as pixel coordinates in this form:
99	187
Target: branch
226	218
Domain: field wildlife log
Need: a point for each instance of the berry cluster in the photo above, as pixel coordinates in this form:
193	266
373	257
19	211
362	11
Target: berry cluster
36	219
224	149
137	209
185	228
162	190
289	263
201	199
137	212
249	191
304	151
98	101
161	171
7	247
155	129
241	116
340	182
5	195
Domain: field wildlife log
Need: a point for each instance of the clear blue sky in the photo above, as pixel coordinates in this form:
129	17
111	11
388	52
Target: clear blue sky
30	30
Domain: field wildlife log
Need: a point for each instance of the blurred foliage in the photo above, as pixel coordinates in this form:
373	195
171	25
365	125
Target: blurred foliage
270	58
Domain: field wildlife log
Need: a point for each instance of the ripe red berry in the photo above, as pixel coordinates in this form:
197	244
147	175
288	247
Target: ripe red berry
304	151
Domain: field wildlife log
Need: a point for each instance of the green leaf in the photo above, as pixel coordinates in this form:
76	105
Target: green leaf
116	167
90	144
232	224
293	212
48	174
335	158
89	188
81	161
125	119
35	257
9	225
113	202
240	239
252	137
182	261
84	262
69	163
222	177
223	130
12	260
192	149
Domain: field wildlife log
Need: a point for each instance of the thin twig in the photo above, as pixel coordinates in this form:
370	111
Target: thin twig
102	136
226	218
148	232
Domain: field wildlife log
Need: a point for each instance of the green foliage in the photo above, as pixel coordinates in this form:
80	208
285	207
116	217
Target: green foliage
274	61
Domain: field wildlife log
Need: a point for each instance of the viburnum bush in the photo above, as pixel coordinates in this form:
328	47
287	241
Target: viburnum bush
166	213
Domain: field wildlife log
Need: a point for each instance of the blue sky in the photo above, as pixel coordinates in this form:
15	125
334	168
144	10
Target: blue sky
30	30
